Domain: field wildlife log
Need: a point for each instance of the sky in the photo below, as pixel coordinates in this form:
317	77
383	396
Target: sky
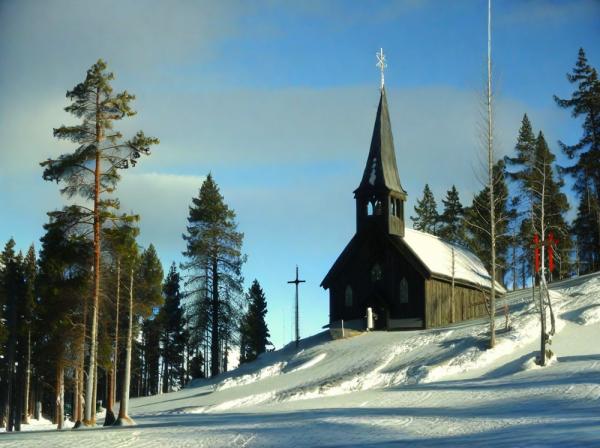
277	100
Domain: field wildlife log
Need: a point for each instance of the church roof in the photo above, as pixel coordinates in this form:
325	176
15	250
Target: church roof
381	171
436	255
429	254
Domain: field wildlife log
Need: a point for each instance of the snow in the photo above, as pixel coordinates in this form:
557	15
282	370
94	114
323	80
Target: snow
436	254
373	175
439	387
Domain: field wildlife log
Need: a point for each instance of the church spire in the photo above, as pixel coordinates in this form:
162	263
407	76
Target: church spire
381	171
380	196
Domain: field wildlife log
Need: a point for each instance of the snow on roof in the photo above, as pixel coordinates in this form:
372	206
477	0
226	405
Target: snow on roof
436	254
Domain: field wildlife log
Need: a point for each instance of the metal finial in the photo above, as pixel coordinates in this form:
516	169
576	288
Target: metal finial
381	64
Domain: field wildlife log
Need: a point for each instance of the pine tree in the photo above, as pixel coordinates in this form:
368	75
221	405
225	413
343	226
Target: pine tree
427	217
451	219
585	103
584	230
27	318
173	332
477	220
64	277
144	290
130	262
92	170
118	241
214	262
533	161
150	354
10	291
254	335
521	174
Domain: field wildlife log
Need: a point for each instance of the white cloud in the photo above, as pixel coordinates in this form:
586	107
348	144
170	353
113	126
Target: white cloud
162	202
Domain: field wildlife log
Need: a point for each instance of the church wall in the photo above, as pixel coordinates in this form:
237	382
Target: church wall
382	295
468	303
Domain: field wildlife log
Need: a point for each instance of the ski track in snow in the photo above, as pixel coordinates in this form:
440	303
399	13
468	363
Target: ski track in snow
439	387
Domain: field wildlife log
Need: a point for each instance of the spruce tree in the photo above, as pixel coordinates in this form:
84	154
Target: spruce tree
10	291
214	262
532	170
427	217
91	171
254	335
173	332
585	103
451	219
555	202
477	221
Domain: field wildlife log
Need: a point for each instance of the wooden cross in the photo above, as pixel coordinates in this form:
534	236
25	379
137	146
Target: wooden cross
297	281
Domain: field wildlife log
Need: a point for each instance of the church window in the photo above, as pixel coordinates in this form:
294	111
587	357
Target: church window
378	208
348	296
370	209
403	289
376	273
393	206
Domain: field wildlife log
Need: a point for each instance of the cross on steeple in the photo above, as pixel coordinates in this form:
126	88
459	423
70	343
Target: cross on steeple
297	281
381	64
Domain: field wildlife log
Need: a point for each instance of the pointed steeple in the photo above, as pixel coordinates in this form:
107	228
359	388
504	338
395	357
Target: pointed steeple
380	197
381	171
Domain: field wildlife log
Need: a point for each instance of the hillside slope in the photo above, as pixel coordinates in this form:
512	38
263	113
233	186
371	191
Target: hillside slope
429	388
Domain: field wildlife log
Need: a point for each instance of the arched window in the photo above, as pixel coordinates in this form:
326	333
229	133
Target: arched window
393	207
348	296
370	209
376	273
378	208
403	290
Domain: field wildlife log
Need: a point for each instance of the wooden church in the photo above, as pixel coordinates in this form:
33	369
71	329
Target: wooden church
409	279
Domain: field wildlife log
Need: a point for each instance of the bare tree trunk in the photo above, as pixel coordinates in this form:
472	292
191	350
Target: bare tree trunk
214	346
452	304
79	402
90	416
124	419
112	372
27	378
60	394
490	137
95	395
514	261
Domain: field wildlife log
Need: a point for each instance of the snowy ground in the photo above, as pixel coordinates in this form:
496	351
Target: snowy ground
423	388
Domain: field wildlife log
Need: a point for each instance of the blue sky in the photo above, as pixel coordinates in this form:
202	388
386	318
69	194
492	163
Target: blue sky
277	100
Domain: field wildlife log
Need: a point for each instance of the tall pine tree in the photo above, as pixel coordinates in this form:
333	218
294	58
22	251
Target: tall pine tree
214	262
585	103
91	171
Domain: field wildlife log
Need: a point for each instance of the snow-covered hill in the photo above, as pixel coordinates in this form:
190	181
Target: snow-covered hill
427	388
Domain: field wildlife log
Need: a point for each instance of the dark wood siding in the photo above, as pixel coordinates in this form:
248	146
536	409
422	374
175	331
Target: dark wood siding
468	303
382	295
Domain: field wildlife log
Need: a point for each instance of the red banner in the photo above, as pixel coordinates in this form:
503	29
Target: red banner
551	251
536	242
